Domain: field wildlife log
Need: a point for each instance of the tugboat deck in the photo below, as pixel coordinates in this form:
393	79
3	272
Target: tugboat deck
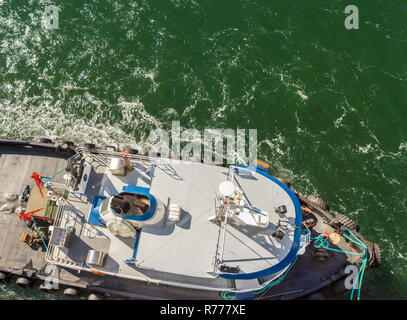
18	160
183	251
15	171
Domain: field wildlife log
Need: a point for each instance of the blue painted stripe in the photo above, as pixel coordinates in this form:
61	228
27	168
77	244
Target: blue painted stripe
136	244
153	203
94	213
133	258
297	236
251	209
52	177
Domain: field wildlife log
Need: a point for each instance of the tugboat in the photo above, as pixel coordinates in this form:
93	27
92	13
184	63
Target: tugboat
110	223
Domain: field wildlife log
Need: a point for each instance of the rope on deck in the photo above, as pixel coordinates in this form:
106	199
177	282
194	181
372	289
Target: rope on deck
322	241
39	232
225	295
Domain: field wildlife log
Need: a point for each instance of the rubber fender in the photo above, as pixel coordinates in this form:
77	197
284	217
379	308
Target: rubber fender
130	150
23	282
95	297
45	140
66	145
347	222
90	146
375	255
318	202
3	277
71	292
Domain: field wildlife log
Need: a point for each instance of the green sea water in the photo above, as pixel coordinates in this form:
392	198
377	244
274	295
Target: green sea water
329	104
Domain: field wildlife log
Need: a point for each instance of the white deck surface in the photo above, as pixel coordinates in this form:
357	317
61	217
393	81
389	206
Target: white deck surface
186	248
252	248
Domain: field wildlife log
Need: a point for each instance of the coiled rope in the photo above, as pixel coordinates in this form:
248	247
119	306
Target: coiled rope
276	282
322	241
225	295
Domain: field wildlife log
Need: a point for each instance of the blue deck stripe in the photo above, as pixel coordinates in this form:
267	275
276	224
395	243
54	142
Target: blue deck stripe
94	213
297	236
133	258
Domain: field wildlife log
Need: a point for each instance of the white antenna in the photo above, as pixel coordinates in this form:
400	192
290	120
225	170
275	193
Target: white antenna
226	188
